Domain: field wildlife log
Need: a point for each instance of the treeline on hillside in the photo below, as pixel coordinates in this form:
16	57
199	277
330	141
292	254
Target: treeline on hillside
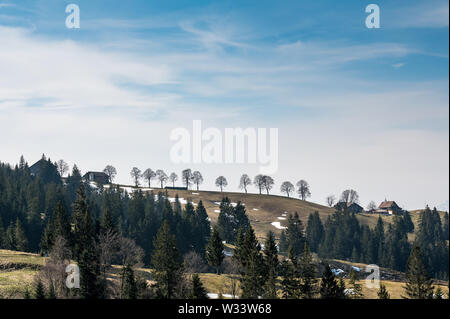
31	208
342	237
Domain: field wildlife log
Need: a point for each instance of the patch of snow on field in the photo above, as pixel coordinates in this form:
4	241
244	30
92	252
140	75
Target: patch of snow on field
278	225
281	218
337	272
128	189
232	204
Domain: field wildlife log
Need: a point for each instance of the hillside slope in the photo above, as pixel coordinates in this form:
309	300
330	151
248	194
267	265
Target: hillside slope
263	210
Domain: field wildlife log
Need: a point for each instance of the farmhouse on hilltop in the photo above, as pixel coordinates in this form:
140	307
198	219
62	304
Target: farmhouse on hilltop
98	177
389	207
350	207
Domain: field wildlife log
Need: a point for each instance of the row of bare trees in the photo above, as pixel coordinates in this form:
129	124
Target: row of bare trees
189	178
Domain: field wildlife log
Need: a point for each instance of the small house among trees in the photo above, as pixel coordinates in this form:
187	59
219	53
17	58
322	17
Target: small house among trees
98	177
350	207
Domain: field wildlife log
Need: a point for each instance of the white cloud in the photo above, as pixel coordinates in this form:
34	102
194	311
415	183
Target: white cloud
429	14
94	106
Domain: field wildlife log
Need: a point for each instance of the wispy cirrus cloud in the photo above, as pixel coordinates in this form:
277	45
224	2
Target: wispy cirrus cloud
427	14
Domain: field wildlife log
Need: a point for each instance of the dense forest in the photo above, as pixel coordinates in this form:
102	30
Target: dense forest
100	226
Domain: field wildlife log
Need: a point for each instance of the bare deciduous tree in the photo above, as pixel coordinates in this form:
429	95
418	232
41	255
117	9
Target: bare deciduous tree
161	176
136	175
221	182
244	182
53	273
149	174
62	167
287	188
129	253
331	199
372	206
197	178
193	263
350	196
259	182
187	177
303	189
268	183
111	172
173	178
106	245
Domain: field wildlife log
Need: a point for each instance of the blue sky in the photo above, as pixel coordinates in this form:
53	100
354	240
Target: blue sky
355	107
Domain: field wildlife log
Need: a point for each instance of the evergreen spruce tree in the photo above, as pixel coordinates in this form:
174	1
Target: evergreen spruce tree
2	235
283	245
294	234
329	287
83	227
20	237
197	290
26	294
61	223
271	265
166	262
290	285
202	229
251	266
308	281
51	291
129	286
214	250
418	282
314	231
10	240
383	293
445	229
91	281
107	222
39	290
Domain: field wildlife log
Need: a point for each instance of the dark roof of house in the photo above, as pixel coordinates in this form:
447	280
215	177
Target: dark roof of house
99	174
36	166
388	204
341	205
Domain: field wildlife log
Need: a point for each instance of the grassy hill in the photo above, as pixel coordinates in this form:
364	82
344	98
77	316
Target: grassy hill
263	209
17	270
